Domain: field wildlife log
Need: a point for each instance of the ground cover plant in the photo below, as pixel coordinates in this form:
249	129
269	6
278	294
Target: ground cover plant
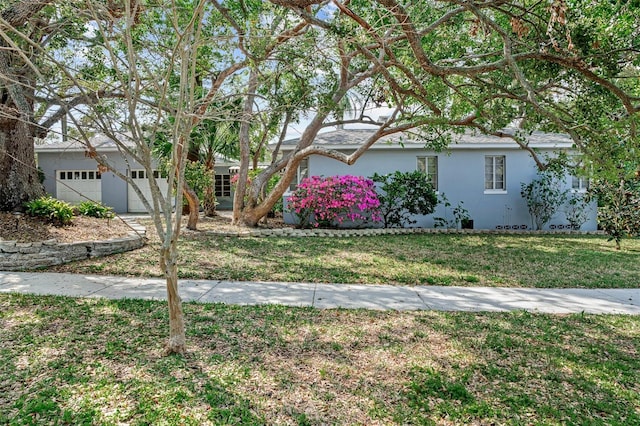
56	211
94	361
516	260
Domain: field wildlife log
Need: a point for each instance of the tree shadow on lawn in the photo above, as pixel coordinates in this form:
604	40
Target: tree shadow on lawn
271	364
527	261
537	261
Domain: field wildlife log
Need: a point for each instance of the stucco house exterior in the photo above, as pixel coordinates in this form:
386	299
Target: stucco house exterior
484	173
71	175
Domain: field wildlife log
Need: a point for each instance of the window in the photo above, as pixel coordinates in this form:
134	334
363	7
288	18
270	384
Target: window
142	174
303	172
580	169
78	175
494	173
223	186
579	184
429	165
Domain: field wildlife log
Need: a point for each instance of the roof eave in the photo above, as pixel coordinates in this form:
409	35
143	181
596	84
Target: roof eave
457	146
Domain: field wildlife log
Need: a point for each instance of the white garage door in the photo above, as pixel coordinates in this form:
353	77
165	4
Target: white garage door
140	177
73	186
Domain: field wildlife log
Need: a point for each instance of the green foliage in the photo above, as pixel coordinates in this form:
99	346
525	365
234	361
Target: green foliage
544	197
273	181
618	208
198	177
459	213
577	210
58	212
402	195
93	209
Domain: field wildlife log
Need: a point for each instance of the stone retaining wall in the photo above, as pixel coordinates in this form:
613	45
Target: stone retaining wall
293	232
18	256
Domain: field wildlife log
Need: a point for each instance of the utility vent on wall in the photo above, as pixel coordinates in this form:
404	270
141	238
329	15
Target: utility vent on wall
382	118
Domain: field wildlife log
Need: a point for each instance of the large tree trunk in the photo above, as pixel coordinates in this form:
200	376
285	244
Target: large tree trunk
194	207
177	338
244	139
209	202
18	174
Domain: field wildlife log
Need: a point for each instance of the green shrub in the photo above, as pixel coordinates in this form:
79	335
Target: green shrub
403	195
56	211
618	208
544	197
93	209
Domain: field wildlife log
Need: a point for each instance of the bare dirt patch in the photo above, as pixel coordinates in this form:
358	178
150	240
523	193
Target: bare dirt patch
26	229
222	223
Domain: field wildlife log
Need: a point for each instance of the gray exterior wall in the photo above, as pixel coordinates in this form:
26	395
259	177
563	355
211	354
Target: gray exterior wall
114	189
224	203
461	179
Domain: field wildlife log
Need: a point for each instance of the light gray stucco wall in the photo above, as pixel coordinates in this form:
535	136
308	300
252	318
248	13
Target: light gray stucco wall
224	203
51	162
461	179
114	189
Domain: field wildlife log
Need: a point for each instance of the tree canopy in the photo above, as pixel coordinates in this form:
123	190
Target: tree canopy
137	68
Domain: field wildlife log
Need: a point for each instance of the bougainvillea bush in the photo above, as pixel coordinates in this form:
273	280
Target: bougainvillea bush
335	201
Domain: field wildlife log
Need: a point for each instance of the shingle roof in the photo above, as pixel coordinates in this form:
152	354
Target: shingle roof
101	143
344	138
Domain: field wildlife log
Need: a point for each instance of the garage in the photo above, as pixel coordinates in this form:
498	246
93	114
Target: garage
75	186
141	180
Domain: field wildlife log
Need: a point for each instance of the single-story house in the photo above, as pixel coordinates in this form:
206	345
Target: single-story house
483	173
73	176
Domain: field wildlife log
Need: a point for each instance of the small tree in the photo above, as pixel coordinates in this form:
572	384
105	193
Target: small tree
618	208
544	197
402	195
576	210
330	201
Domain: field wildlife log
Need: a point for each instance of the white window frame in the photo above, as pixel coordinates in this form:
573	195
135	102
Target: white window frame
138	174
430	170
79	175
301	173
490	179
579	183
222	186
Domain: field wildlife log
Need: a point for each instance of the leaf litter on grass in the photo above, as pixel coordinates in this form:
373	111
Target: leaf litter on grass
279	365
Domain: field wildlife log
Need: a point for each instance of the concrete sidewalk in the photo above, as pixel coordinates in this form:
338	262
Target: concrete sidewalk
474	299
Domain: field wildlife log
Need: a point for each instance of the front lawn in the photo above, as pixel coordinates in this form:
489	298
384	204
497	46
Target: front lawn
88	361
508	260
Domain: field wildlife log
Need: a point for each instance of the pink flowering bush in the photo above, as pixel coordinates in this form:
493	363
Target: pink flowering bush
330	201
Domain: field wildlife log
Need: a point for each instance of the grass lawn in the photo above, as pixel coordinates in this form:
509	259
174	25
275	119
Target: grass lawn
508	260
88	361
